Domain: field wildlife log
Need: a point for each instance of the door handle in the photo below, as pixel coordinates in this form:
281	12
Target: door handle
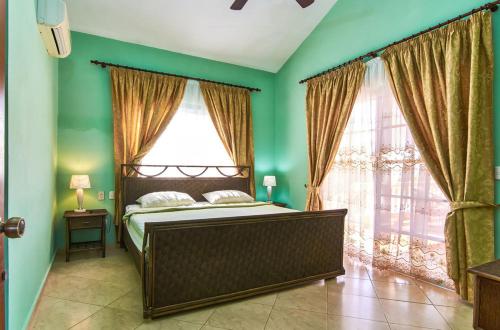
13	227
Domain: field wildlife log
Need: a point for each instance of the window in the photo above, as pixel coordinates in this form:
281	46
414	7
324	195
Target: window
396	211
189	139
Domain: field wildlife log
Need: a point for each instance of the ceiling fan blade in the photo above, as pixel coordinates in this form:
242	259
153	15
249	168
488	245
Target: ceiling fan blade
305	3
238	4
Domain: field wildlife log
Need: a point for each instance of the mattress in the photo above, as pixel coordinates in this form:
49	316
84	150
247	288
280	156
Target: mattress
135	217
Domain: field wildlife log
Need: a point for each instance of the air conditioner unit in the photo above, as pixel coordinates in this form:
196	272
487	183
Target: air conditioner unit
53	25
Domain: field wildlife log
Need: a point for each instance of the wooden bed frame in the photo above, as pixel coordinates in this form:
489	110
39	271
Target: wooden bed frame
195	263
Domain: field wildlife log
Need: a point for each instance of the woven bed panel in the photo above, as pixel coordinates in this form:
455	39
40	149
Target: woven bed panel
135	187
202	262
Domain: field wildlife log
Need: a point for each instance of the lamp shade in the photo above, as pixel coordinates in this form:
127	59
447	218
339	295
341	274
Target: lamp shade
79	182
269	181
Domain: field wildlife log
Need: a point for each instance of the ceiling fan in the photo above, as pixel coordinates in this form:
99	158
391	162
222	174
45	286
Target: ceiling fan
239	4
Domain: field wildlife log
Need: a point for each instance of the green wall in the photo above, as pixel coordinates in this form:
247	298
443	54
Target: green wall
350	29
85	129
32	111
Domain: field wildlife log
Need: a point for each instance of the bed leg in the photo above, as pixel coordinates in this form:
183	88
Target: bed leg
146	314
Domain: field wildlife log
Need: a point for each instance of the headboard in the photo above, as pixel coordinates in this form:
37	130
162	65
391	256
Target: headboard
136	184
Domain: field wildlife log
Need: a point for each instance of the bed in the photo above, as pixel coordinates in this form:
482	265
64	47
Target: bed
203	256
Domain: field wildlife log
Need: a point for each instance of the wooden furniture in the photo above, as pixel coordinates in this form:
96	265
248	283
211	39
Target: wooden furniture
487	296
195	263
91	219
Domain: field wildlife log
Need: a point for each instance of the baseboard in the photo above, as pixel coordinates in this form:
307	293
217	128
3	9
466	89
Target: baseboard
38	294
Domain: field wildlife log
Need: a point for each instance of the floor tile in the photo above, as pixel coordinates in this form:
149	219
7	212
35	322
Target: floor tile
61	314
294	319
110	319
83	255
128	278
112	252
102	270
309	298
82	289
266	299
46	303
131	301
42	307
403	292
407	313
406	327
350	323
459	317
198	316
356	271
389	276
351	286
355	306
440	296
85	294
240	315
168	324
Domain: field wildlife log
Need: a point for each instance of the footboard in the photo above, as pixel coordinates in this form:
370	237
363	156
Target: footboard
189	264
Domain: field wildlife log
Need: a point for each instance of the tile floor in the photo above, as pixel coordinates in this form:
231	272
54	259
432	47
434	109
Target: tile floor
95	293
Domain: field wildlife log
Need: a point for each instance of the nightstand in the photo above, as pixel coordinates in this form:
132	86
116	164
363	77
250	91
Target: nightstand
486	292
279	204
91	219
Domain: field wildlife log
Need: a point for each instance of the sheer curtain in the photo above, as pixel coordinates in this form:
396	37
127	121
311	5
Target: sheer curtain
189	139
396	211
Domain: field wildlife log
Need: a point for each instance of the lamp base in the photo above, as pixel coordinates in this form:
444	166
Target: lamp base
269	193
79	199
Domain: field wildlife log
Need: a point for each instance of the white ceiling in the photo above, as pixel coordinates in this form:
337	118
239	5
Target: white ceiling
262	35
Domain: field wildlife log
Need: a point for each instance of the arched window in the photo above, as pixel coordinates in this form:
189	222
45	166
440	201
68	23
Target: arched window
189	139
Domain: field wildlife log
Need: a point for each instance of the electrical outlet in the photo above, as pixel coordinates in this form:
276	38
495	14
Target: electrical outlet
100	195
111	194
497	172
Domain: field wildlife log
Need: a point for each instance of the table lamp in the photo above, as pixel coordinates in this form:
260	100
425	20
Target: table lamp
79	182
269	182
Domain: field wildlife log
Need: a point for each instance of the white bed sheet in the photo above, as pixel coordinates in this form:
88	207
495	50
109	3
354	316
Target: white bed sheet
136	217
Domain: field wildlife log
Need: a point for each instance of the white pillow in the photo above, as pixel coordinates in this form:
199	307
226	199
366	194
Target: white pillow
165	199
227	197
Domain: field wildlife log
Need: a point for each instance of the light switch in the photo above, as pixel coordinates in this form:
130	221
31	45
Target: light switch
497	172
111	194
100	195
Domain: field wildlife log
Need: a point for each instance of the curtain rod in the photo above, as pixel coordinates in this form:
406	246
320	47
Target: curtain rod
105	64
493	6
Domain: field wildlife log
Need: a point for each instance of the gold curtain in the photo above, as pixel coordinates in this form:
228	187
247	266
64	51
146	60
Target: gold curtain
442	81
143	105
230	111
329	103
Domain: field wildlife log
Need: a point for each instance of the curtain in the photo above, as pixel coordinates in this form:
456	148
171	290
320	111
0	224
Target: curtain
443	84
230	110
143	105
329	102
396	210
189	139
